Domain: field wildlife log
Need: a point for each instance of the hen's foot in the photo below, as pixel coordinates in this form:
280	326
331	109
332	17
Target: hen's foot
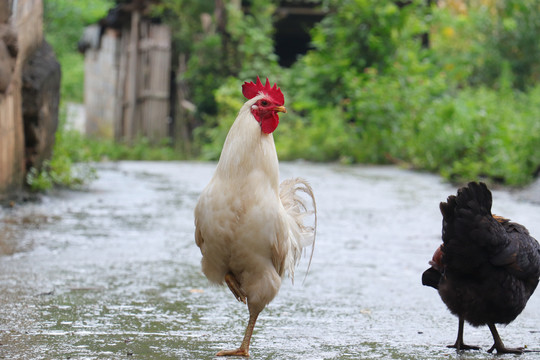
463	347
499	345
237	352
459	345
504	350
235	288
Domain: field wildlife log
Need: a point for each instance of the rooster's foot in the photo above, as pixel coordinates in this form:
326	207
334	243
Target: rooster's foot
237	291
237	352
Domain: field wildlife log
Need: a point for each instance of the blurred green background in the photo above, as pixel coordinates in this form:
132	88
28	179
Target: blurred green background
450	87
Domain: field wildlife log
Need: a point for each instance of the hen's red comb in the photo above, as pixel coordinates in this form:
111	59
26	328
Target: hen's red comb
250	90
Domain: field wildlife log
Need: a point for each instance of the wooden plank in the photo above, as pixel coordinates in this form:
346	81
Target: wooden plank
119	127
154	93
101	86
131	81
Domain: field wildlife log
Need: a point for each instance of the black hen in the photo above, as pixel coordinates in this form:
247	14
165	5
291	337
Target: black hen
487	267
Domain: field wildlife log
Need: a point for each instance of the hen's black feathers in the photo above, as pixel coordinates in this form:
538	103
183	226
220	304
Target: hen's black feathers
489	265
472	237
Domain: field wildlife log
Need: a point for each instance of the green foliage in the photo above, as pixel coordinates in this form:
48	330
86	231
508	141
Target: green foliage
205	73
355	88
71	164
357	35
141	149
370	93
480	133
212	137
513	39
367	91
326	129
481	40
252	34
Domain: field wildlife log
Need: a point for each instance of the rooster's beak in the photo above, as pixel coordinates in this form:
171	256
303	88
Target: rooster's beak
280	109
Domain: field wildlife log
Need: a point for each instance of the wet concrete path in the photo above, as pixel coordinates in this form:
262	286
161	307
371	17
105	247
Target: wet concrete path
113	272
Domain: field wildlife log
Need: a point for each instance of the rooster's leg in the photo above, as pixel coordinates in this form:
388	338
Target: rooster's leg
235	288
243	350
459	345
498	344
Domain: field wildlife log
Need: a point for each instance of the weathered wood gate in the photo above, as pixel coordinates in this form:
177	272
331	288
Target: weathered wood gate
135	67
146	93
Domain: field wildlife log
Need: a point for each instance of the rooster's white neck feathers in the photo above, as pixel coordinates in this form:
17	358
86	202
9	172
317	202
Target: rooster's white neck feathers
247	148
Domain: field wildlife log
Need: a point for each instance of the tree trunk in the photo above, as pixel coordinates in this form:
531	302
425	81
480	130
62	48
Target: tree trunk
40	95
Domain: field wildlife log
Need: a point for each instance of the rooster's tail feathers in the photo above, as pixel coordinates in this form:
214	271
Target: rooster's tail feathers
298	200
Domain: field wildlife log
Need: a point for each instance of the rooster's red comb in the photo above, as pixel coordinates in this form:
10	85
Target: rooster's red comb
250	90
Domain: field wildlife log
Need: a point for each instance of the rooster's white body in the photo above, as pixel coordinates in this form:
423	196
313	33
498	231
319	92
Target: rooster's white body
247	225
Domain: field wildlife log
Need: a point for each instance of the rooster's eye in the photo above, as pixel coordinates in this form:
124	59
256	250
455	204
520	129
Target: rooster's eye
264	103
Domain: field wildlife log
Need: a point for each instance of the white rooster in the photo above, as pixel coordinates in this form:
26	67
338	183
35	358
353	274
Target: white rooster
249	228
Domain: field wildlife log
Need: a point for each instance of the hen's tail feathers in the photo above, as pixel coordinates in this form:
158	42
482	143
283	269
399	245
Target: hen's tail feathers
297	206
475	197
471	235
462	212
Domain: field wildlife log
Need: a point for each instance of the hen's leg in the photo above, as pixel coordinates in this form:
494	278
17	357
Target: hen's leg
498	344
243	350
235	288
459	345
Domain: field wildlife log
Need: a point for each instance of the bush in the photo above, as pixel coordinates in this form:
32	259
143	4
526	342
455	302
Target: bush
482	133
475	41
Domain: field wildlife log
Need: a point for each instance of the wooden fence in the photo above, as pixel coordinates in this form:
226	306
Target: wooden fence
127	82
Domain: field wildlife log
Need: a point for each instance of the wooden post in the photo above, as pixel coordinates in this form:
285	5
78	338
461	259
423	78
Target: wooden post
119	116
131	126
